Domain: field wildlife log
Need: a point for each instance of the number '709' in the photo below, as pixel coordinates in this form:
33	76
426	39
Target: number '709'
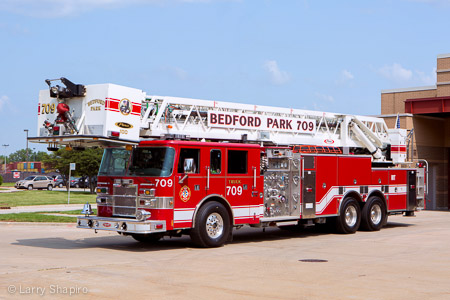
234	190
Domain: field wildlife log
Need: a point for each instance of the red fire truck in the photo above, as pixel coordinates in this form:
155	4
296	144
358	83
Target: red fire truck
203	167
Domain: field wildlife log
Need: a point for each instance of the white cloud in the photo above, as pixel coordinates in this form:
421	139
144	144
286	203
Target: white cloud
277	76
4	100
395	72
399	74
176	72
324	97
426	79
347	75
64	8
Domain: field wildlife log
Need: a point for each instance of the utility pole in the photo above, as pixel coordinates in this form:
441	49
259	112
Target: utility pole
5	145
26	130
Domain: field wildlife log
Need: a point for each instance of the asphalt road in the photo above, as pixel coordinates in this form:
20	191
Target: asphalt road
409	259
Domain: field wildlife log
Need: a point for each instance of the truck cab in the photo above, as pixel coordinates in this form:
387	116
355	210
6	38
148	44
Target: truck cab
161	186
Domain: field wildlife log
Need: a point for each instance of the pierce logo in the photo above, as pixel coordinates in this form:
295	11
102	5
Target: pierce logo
328	141
185	193
106	224
124	125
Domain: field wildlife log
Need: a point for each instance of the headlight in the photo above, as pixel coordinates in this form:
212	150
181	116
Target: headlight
141	215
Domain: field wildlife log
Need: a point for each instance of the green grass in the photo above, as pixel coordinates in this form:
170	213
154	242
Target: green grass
8	184
69	212
26	198
42	217
35	217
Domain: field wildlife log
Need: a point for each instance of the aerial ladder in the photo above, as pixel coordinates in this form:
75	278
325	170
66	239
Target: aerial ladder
79	116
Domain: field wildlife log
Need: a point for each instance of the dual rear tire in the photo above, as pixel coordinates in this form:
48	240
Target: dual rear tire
371	218
373	214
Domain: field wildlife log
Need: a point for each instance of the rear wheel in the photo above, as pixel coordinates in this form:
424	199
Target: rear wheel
77	185
212	225
147	238
30	187
50	187
373	214
350	216
60	185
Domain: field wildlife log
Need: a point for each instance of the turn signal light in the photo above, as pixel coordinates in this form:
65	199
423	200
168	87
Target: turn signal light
102	190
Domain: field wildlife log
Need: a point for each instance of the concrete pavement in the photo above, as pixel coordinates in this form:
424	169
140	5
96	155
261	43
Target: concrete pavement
409	259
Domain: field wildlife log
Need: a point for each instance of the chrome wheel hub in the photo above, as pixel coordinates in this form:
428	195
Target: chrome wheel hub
375	214
214	225
350	216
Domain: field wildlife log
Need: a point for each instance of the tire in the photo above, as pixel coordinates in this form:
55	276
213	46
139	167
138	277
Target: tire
50	187
77	185
212	225
147	238
30	187
349	218
60	185
373	216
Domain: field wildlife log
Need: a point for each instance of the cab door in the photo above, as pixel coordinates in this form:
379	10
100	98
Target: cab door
239	185
215	173
190	185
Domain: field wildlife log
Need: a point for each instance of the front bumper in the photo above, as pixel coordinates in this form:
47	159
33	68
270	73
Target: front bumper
121	225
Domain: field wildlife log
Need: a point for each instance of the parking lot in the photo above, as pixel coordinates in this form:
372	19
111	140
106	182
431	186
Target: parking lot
409	259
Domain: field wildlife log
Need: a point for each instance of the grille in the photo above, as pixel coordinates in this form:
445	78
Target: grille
124	200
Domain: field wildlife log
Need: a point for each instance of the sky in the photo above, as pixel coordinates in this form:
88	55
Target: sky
332	56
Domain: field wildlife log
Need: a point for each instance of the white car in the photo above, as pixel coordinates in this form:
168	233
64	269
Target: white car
35	182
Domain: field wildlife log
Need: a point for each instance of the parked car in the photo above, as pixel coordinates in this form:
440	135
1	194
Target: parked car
58	181
35	182
79	182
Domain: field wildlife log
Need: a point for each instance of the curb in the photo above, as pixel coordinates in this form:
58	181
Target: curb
2	223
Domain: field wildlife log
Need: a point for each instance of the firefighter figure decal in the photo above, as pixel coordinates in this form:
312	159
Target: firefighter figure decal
125	106
185	193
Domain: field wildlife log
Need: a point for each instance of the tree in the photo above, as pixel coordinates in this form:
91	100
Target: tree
87	164
21	155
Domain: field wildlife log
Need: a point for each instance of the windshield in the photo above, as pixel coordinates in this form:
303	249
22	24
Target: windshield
154	161
114	162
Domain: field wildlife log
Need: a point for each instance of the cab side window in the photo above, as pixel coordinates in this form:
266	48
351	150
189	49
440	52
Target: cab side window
190	159
237	162
216	161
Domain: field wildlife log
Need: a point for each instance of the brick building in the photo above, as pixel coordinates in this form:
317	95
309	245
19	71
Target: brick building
425	112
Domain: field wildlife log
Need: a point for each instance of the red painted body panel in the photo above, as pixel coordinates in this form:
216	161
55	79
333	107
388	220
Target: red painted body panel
354	170
326	178
397	189
335	176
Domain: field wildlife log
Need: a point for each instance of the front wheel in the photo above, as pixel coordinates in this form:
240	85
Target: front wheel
30	187
60	185
212	225
77	185
350	216
50	187
373	214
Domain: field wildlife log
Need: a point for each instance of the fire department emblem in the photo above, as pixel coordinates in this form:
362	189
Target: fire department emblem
125	106
185	193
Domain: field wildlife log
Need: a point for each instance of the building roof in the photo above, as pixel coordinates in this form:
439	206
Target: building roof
410	89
